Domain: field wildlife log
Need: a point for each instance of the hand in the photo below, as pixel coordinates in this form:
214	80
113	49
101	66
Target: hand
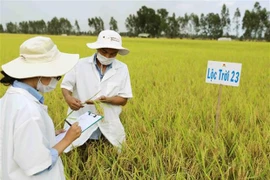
73	132
59	131
100	99
89	102
114	100
74	104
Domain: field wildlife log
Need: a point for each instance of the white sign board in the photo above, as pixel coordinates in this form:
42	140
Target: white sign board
224	73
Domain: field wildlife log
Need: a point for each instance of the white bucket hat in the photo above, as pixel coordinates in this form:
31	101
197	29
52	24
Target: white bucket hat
109	39
39	56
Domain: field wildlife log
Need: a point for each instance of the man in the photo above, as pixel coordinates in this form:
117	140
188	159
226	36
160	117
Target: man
106	81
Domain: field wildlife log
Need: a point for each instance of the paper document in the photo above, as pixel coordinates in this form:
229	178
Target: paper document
85	121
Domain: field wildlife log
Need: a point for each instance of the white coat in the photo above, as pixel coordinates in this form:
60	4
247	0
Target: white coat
84	81
26	136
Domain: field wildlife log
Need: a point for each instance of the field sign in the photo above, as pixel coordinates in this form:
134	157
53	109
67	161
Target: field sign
223	73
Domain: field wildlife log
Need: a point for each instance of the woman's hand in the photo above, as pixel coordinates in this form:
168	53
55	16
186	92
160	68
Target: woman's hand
59	131
73	132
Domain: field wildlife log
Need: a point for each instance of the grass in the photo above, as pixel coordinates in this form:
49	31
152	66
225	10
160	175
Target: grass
170	122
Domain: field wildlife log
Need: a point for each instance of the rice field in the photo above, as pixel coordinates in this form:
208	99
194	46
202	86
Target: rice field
170	122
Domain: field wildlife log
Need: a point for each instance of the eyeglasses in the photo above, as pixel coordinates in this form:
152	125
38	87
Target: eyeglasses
58	78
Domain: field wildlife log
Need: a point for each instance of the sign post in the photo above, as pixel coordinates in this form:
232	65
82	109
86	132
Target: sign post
218	108
222	73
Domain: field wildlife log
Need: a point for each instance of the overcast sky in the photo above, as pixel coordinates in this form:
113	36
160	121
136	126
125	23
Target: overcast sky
24	10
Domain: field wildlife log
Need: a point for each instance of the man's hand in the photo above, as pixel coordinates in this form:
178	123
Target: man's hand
100	99
74	104
115	100
89	102
104	99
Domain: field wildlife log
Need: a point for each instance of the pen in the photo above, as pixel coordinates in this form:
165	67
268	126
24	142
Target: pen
68	123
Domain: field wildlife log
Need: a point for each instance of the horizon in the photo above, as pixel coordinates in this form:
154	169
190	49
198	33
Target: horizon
21	10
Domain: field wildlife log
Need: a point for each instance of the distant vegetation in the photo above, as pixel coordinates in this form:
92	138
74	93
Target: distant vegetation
255	25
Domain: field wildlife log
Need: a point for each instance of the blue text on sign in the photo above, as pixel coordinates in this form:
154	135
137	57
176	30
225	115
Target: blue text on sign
223	75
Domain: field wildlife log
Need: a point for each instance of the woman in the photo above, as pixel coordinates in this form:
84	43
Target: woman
27	136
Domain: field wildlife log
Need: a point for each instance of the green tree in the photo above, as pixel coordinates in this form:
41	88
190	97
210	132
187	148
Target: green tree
236	19
174	25
24	27
203	26
185	26
195	23
1	28
131	25
32	27
41	26
77	27
145	21
113	24
148	21
263	21
255	22
248	24
54	26
11	27
267	33
225	20
214	25
65	26
37	27
96	24
163	14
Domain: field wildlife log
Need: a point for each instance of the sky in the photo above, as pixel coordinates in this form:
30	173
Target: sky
81	10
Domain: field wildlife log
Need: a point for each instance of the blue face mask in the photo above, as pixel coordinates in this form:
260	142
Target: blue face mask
47	88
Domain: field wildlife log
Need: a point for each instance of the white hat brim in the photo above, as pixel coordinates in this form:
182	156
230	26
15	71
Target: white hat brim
20	69
122	51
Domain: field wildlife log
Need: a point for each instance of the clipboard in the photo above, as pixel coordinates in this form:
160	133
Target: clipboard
85	121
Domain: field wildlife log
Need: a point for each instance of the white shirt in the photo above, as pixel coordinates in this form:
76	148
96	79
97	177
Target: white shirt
84	81
26	129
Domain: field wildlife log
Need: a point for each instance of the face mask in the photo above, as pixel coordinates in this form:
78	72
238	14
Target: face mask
103	60
47	88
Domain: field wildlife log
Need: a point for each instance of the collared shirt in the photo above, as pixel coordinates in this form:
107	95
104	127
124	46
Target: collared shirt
30	89
40	98
97	133
101	75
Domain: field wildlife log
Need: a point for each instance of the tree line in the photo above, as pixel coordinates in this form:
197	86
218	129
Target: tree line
255	24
